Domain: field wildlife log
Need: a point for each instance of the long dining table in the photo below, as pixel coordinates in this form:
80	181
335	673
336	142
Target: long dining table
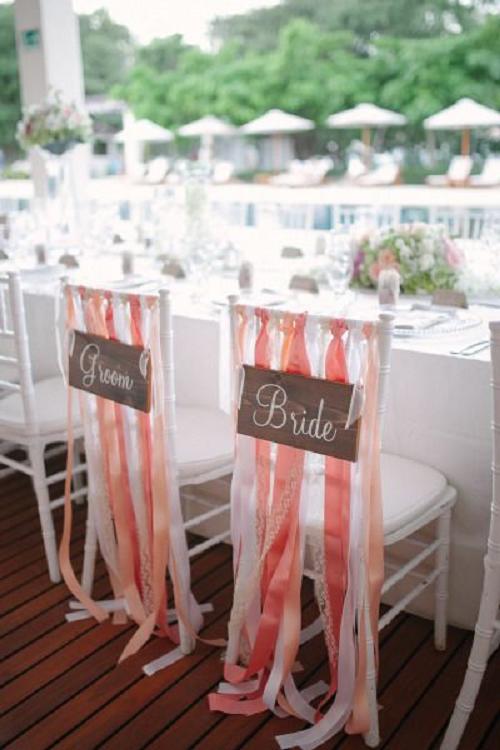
438	406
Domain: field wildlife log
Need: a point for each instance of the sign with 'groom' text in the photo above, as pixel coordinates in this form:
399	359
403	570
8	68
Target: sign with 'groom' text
110	369
303	412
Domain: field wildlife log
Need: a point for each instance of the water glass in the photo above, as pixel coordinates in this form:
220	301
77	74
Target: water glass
340	266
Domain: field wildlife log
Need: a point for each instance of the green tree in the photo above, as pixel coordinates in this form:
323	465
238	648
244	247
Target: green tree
10	108
107	51
259	29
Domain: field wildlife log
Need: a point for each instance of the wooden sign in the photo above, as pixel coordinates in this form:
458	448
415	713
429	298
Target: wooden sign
303	283
110	369
449	298
307	413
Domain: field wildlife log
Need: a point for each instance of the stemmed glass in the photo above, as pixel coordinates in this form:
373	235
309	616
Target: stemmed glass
340	267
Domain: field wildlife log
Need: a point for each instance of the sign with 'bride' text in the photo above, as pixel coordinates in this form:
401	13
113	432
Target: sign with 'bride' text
303	412
110	369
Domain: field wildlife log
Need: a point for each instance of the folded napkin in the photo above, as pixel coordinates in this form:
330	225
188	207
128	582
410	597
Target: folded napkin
419	320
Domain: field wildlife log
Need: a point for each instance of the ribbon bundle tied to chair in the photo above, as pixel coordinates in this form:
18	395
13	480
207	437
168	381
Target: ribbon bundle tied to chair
133	492
270	493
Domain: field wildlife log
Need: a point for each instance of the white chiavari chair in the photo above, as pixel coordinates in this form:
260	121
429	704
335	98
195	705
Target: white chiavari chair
487	630
200	440
414	496
32	416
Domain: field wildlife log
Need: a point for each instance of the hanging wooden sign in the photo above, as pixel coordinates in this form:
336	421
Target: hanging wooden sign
110	369
303	412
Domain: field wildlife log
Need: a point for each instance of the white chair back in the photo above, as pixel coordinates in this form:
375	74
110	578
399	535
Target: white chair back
145	320
15	362
487	630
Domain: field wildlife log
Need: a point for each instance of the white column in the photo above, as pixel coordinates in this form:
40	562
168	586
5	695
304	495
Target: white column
50	58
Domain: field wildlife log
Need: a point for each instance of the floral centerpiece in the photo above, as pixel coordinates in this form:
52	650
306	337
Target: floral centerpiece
423	254
55	126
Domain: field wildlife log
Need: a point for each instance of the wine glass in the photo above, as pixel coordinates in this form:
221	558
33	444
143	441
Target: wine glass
340	266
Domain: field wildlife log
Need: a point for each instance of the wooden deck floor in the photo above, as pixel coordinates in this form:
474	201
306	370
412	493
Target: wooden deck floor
61	687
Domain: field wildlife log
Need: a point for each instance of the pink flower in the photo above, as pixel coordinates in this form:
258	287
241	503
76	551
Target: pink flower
373	272
454	256
386	259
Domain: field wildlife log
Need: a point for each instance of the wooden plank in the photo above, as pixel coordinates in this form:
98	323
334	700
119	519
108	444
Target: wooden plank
94	685
46	646
448	685
487	707
21	548
302	412
111	369
397	642
491	740
199	726
404	692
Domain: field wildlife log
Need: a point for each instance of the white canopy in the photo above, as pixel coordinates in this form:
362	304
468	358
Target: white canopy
207	126
144	131
275	121
366	116
463	115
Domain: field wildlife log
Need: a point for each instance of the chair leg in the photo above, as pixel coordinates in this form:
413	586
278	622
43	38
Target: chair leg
441	590
89	551
78	481
484	635
36	456
372	737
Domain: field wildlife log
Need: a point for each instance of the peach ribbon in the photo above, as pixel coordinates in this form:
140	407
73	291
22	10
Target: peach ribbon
373	537
281	573
336	516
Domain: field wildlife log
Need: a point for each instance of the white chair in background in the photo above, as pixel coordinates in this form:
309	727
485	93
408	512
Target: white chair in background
457	175
157	170
487	630
414	495
32	415
200	441
490	176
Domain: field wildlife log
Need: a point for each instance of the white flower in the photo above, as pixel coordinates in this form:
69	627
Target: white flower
426	262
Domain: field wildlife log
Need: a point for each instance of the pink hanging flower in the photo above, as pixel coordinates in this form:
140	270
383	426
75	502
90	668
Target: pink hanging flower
386	259
454	256
374	271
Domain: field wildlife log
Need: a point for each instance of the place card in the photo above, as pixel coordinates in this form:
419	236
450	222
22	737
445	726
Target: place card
173	268
110	369
449	298
304	283
303	412
291	252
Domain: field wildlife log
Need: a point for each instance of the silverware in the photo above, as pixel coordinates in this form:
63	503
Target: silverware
471	349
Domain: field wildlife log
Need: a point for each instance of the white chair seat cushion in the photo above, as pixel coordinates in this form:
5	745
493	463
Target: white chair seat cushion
205	441
50	409
409	490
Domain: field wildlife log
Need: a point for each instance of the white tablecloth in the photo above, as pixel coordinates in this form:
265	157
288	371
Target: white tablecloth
438	413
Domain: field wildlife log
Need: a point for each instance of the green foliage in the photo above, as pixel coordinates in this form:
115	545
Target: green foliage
10	110
259	29
313	72
107	51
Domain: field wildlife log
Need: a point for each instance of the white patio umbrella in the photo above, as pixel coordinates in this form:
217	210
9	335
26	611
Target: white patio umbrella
464	115
144	131
207	129
366	116
276	123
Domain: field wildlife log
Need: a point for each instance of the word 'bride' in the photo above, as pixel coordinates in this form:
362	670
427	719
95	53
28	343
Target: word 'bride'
273	398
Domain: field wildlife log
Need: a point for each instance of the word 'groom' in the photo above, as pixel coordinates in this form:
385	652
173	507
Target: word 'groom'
91	369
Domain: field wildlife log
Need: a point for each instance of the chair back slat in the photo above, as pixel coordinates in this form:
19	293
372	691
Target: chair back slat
15	358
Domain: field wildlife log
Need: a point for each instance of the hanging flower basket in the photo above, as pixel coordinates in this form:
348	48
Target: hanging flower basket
54	126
